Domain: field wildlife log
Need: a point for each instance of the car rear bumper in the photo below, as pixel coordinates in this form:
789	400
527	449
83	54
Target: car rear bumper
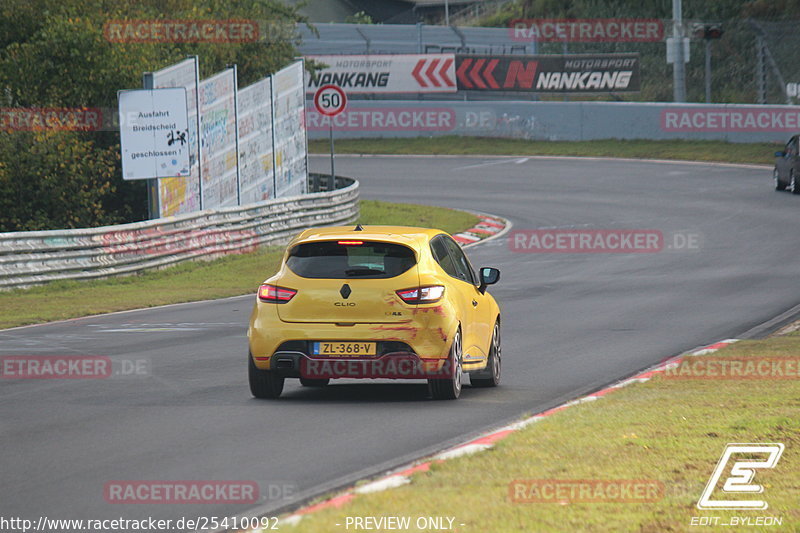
396	365
426	337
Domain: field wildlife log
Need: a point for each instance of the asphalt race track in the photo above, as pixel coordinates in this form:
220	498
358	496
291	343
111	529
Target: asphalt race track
571	323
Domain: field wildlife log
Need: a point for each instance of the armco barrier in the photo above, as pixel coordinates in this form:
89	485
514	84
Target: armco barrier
35	257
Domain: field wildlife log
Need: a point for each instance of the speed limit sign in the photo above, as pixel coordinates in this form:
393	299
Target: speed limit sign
330	100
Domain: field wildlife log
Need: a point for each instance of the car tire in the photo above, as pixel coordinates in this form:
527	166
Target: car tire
793	185
779	185
449	388
263	383
309	382
490	376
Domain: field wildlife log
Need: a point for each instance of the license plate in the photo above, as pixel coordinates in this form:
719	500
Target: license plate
344	349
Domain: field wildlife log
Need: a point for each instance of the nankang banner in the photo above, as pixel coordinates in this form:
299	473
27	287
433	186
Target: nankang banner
595	73
385	73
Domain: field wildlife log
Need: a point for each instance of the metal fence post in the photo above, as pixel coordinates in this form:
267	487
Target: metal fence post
153	207
236	130
761	72
708	70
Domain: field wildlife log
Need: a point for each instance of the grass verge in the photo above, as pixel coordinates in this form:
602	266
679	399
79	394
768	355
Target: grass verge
229	276
759	153
671	431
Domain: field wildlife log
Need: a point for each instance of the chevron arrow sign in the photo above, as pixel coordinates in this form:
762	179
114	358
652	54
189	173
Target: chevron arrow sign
385	73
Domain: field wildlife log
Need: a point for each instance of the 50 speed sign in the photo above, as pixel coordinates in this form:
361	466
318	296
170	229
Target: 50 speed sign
330	100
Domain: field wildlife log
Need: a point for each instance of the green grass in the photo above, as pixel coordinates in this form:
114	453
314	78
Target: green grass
229	276
667	430
449	220
761	153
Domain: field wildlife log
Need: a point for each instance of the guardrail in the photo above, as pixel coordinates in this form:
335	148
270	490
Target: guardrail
36	257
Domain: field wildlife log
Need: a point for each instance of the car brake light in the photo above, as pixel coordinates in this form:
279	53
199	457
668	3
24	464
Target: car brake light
351	243
422	295
275	295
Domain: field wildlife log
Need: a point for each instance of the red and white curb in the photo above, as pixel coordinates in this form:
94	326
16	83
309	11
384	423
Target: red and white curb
402	476
489	226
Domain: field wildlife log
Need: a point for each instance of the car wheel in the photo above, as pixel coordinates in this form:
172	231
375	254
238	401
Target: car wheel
793	185
263	383
779	185
490	376
308	382
449	388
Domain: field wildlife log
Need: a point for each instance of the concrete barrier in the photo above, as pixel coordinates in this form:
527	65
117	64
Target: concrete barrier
560	121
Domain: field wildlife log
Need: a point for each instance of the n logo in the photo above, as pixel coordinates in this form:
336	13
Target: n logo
740	479
519	75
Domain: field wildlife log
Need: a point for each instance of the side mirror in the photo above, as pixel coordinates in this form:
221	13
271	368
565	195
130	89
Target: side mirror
780	154
489	276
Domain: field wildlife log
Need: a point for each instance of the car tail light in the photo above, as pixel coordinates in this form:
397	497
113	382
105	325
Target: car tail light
351	243
273	294
422	295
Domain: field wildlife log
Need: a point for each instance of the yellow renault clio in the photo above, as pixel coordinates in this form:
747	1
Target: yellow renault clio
375	302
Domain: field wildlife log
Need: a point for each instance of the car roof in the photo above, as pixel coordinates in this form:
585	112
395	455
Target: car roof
407	235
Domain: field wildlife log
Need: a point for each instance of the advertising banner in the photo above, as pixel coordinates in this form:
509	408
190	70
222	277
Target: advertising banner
385	73
218	139
177	196
255	142
594	73
248	145
290	150
153	133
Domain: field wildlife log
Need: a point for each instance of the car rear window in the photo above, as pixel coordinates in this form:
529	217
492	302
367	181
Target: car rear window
359	259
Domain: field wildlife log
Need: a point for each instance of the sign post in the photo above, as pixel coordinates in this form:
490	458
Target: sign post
329	101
